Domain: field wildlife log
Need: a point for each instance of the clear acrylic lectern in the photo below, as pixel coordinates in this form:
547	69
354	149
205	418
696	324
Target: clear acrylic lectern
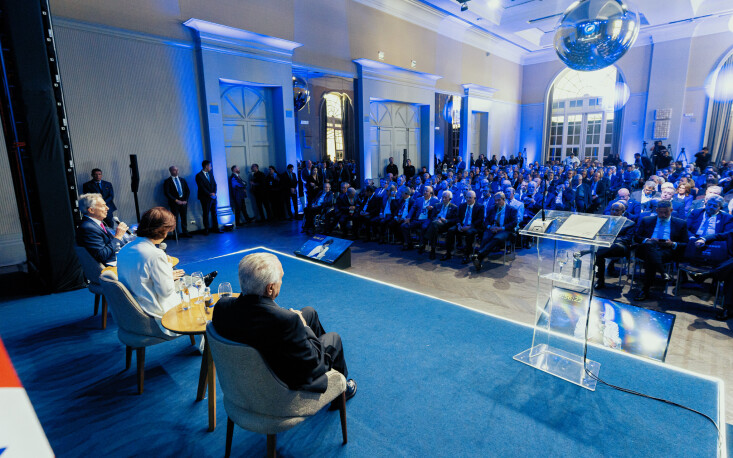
565	274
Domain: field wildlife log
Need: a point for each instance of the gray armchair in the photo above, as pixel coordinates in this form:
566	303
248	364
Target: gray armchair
136	329
257	400
92	269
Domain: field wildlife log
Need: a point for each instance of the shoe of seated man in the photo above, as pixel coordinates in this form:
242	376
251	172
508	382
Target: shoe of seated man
350	392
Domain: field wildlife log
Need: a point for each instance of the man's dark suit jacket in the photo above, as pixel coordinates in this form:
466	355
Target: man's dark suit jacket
101	245
373	208
677	231
477	216
105	189
343	204
633	209
391	168
290	348
328	200
451	216
206	187
723	225
171	193
582	198
510	218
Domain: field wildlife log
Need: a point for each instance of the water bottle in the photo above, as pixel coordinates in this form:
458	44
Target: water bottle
577	264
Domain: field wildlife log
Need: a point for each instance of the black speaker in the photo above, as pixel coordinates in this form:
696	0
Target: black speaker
134	173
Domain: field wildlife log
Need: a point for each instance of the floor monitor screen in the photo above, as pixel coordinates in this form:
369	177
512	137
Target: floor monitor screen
324	248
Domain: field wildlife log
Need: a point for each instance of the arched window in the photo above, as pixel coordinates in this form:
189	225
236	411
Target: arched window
582	114
334	138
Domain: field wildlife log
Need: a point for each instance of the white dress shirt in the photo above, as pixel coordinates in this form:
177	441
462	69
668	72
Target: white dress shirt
145	271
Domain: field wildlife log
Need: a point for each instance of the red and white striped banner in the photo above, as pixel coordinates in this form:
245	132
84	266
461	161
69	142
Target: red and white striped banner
21	434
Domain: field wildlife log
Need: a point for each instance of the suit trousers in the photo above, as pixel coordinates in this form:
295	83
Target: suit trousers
208	206
181	210
616	250
240	208
331	341
420	225
366	222
654	258
310	216
491	241
469	236
294	200
436	228
262	203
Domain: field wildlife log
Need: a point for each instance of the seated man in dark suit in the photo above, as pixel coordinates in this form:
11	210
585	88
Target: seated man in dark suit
419	218
620	247
399	211
709	224
647	196
661	238
470	218
346	211
322	203
444	217
724	273
369	210
94	235
633	208
500	223
104	188
292	342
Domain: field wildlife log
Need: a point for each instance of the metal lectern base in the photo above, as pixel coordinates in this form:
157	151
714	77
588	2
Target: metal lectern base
561	364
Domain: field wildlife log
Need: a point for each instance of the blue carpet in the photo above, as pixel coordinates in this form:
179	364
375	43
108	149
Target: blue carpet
434	380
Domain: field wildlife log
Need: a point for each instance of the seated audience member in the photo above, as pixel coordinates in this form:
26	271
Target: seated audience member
709	224
620	247
399	212
722	272
633	208
321	204
419	218
385	214
292	342
598	191
368	210
516	204
346	211
144	268
500	223
94	235
445	216
646	196
470	218
662	238
682	197
581	195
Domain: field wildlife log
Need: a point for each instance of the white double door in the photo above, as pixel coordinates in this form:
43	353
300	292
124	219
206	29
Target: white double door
248	128
394	128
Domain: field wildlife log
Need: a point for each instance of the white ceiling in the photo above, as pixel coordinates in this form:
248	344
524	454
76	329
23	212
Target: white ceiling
530	24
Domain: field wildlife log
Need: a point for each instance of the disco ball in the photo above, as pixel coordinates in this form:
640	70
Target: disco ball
594	34
301	94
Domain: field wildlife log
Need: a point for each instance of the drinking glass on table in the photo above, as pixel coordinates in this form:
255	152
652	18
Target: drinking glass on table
197	279
225	289
563	257
182	286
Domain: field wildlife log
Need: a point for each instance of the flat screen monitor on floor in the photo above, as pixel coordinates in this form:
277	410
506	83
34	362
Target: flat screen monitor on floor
324	248
613	324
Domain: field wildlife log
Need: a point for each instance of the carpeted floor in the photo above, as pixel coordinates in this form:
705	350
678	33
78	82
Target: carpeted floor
434	379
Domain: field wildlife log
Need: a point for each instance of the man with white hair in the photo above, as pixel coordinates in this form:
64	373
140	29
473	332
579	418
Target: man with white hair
292	342
94	235
445	216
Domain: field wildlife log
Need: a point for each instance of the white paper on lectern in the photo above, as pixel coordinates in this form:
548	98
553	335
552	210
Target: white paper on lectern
585	227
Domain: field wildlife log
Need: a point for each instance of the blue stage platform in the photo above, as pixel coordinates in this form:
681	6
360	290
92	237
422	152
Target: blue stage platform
435	379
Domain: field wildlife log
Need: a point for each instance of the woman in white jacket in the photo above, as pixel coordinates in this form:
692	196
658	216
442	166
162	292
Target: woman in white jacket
144	268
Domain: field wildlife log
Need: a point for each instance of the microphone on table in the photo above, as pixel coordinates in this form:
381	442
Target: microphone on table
117	220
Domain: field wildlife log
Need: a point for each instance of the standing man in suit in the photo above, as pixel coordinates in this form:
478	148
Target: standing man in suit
258	183
94	235
500	223
470	218
292	185
661	238
177	193
292	342
408	169
207	196
444	217
239	196
105	189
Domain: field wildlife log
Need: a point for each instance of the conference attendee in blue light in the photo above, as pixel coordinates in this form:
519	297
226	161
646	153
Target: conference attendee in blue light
419	218
291	180
207	196
399	212
370	209
460	165
709	224
513	202
620	248
470	218
391	168
104	188
144	268
581	195
661	238
499	225
177	192
292	342
239	197
346	211
646	196
322	204
633	208
408	169
445	216
94	235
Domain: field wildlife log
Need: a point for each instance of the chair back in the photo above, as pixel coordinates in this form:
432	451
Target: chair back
136	328
91	268
249	383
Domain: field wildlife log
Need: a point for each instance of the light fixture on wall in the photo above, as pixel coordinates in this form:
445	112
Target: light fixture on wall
464	4
380	55
413	64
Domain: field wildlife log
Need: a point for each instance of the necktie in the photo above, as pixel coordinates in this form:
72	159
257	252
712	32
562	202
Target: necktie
207	176
467	218
178	186
104	228
659	232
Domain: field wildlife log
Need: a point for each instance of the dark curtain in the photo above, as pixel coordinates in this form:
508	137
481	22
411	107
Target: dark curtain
323	117
348	128
618	117
720	125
